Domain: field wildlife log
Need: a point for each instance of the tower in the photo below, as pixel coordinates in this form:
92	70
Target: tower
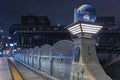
85	65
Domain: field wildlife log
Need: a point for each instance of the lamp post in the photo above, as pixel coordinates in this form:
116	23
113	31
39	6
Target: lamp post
87	58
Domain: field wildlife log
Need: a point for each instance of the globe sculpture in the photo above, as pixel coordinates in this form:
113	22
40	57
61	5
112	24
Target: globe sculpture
86	13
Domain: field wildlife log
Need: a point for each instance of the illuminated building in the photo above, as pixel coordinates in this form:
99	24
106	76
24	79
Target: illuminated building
36	31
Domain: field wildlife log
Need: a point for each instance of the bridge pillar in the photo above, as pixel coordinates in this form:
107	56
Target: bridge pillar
86	66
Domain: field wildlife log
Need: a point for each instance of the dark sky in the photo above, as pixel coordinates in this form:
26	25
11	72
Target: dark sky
58	11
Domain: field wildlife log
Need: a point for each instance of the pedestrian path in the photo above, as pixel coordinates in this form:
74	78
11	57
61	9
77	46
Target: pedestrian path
14	71
4	69
26	73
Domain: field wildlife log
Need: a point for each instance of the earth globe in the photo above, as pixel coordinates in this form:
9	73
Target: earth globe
86	13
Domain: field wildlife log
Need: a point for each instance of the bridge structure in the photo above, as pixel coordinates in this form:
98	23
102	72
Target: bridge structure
41	63
65	60
47	62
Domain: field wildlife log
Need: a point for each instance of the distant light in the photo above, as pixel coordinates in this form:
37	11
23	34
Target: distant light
11	44
18	48
9	37
7	52
97	44
6	45
1	30
3	36
15	44
14	50
58	25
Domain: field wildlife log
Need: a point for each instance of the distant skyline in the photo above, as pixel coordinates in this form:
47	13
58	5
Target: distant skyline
58	11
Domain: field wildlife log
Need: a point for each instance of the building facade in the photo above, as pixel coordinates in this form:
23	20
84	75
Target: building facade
106	38
106	22
108	45
36	31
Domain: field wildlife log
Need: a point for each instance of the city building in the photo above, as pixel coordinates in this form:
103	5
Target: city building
108	49
36	31
1	40
106	38
107	44
106	22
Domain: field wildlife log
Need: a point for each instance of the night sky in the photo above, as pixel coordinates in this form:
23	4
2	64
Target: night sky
58	11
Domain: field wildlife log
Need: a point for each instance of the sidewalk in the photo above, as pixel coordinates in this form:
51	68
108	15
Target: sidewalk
26	72
4	69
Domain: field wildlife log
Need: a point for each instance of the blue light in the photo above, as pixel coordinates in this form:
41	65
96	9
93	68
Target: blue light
1	30
15	44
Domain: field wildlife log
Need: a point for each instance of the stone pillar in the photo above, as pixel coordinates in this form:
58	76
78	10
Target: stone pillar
88	66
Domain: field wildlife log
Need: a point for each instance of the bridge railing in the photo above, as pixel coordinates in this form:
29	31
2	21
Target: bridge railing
49	59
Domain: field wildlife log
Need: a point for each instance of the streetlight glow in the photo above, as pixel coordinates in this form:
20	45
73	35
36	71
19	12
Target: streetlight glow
84	29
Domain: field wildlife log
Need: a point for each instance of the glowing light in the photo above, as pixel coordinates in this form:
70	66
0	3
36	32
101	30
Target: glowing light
7	52
75	31
14	50
84	28
93	26
9	37
14	44
18	48
6	45
1	30
11	44
75	26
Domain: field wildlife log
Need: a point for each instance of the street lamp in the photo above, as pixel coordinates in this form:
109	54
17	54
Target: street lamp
87	52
